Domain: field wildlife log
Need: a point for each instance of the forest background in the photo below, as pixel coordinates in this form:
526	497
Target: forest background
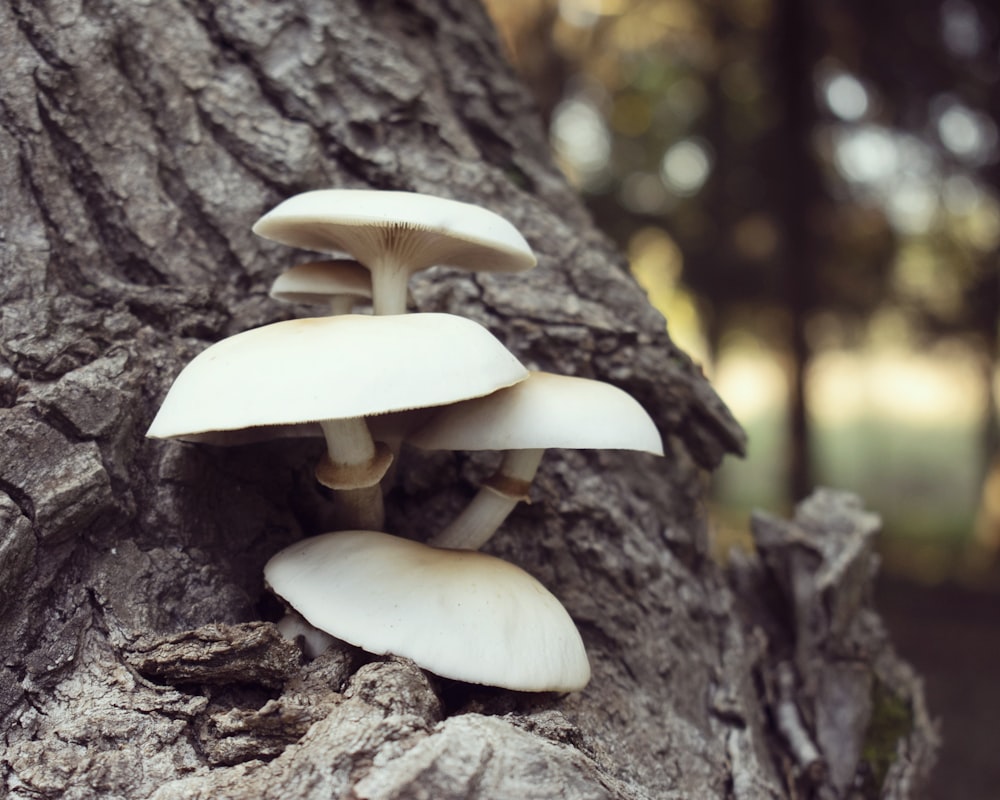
810	193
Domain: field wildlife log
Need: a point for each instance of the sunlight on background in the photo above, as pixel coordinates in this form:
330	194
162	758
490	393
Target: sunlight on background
654	108
845	95
685	166
897	426
581	140
656	262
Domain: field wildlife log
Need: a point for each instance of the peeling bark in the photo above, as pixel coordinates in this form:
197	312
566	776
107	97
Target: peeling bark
138	143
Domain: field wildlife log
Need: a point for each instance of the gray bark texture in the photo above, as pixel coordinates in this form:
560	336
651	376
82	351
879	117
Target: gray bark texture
139	140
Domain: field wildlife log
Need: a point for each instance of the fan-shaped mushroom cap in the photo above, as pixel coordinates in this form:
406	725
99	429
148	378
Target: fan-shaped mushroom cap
546	410
313	369
316	282
397	233
423	229
460	614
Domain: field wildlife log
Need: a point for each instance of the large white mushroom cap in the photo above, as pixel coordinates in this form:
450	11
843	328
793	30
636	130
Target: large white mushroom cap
460	614
542	412
314	369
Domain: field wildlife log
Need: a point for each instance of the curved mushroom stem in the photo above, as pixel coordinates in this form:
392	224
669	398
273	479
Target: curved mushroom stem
486	512
353	468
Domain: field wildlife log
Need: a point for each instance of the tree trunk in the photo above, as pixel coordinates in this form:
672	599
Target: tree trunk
800	188
139	141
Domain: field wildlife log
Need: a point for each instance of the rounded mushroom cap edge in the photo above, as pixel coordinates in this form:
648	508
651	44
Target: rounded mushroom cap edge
544	411
319	368
460	614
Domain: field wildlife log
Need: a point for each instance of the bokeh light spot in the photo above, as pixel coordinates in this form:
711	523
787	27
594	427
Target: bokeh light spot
686	166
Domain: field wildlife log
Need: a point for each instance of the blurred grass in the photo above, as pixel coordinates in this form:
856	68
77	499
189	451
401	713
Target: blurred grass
923	479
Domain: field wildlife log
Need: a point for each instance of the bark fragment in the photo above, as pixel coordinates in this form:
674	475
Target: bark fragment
849	713
251	653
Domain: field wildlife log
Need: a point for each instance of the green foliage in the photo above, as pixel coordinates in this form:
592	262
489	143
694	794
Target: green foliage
892	719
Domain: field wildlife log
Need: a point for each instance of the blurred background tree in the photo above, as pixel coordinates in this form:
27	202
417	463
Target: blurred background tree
810	192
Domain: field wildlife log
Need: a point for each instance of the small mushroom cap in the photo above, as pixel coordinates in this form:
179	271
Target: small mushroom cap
306	370
419	230
459	613
546	410
317	281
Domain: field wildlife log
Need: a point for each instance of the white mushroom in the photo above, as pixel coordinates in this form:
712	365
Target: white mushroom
311	639
395	234
338	284
457	613
544	411
336	371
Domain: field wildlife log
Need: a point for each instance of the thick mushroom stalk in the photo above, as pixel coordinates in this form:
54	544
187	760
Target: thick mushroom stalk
353	468
498	496
390	280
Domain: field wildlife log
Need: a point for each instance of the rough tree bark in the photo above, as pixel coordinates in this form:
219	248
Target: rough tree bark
138	142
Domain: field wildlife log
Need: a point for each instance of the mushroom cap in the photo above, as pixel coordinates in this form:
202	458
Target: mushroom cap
258	433
459	613
417	230
318	281
546	410
393	426
306	370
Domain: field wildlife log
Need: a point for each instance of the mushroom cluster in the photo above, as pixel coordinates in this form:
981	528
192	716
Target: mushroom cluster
368	382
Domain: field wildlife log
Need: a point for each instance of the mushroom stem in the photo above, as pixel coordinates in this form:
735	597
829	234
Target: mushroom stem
313	641
341	304
493	503
353	467
390	280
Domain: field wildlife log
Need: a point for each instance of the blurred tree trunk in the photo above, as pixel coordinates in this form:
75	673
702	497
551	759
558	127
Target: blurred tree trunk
799	191
985	305
139	141
990	315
